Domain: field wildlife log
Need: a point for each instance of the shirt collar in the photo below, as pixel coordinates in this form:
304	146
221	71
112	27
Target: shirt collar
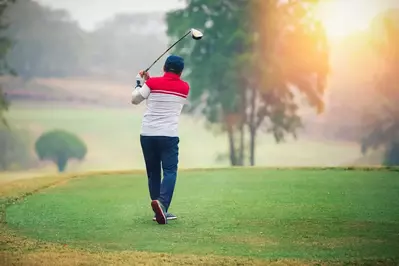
171	75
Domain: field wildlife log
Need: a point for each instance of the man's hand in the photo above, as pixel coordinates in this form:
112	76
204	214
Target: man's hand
141	78
139	81
144	75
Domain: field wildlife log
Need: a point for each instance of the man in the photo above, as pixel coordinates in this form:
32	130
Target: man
165	97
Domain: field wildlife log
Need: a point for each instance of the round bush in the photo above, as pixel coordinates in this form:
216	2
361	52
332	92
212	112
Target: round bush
59	146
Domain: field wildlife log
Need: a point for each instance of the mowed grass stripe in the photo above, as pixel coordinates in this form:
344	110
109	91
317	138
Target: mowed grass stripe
304	214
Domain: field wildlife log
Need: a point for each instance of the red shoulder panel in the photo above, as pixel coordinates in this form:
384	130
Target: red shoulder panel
169	84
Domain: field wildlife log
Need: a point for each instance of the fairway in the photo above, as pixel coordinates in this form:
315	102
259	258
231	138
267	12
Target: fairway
324	215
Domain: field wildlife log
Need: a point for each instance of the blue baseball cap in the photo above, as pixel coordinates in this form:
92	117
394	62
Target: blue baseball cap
174	63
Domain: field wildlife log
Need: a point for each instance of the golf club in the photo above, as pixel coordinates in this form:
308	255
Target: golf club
195	34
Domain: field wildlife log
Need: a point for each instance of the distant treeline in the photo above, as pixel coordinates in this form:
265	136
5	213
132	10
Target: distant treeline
48	43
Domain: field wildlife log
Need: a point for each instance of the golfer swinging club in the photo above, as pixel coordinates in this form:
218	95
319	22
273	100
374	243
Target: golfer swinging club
165	97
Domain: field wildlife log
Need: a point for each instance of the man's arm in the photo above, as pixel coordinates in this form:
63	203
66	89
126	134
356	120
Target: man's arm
139	94
141	91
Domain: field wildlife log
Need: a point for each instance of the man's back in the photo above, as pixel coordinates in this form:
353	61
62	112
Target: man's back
168	94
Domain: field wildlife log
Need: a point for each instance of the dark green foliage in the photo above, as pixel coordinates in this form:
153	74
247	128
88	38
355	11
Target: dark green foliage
5	45
14	144
60	146
217	65
4	104
213	63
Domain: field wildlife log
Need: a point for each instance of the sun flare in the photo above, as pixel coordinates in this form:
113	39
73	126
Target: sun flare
345	17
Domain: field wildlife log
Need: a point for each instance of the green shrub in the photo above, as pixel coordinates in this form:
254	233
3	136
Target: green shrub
60	146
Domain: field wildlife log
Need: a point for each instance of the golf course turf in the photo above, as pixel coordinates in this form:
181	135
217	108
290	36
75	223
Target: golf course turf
254	215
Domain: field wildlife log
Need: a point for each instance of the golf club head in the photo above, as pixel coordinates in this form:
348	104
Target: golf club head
196	34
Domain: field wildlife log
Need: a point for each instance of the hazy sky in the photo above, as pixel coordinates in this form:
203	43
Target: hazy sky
341	17
90	12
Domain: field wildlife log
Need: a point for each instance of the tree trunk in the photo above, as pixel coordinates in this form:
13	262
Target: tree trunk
252	128
252	146
242	122
61	163
232	150
236	132
242	146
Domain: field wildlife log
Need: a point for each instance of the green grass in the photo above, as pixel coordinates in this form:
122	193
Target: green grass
304	214
113	143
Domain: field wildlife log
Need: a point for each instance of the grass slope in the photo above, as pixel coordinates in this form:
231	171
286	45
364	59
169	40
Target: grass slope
305	215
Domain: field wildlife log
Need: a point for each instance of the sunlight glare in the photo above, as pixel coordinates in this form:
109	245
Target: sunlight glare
345	17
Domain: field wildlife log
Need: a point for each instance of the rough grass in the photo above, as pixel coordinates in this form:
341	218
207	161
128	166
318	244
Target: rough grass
268	216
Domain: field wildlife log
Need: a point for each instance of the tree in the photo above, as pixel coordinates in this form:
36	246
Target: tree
15	149
48	43
59	147
381	119
215	64
255	60
5	45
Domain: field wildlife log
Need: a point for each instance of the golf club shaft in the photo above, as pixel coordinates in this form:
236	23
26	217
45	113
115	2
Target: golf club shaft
167	51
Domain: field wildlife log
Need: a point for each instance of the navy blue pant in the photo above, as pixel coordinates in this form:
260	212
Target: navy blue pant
161	153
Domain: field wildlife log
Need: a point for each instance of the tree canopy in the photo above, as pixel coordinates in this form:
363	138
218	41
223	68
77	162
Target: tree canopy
59	146
5	45
255	62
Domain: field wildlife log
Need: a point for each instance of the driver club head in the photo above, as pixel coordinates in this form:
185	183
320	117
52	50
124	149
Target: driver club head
196	34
